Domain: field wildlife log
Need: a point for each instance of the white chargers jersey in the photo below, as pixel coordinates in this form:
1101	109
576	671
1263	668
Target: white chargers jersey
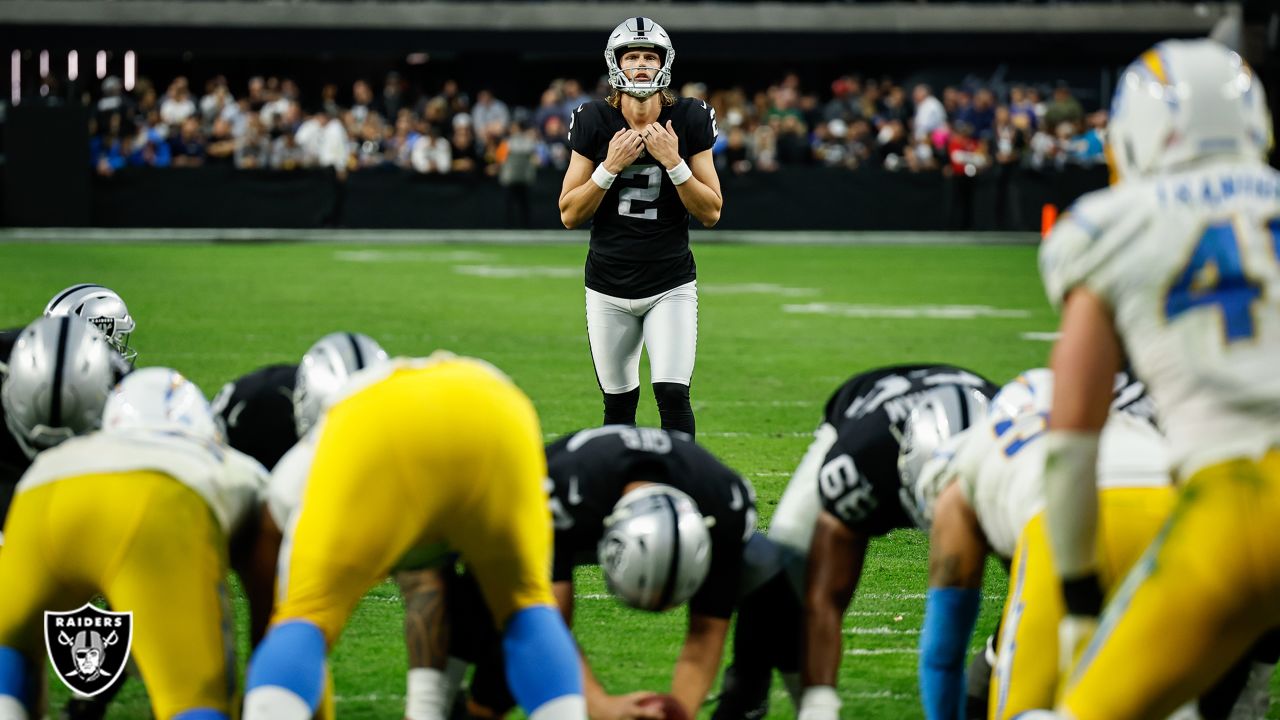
999	465
1189	264
229	481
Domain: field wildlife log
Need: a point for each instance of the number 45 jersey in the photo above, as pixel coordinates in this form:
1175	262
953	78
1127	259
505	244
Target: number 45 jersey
1190	265
640	232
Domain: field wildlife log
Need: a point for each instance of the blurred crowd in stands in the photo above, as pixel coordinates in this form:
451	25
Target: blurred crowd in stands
854	123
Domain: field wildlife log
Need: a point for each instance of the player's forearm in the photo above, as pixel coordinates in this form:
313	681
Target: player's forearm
699	660
702	202
580	204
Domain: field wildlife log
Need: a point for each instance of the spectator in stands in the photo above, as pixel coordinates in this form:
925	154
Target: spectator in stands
736	157
829	147
399	147
451	100
368	137
1086	147
253	148
361	104
324	143
221	147
573	97
285	153
1010	136
113	101
257	93
893	109
892	144
982	116
966	157
216	99
147	147
329	100
392	99
1021	105
555	144
1064	108
188	147
432	153
930	114
465	155
845	103
489	110
793	140
517	158
548	107
177	104
764	146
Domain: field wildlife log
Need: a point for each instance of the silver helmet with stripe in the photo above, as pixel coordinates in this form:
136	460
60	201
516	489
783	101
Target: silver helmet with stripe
941	414
656	550
639	33
61	371
325	369
101	306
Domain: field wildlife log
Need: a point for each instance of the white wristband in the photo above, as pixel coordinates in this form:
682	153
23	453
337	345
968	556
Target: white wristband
680	173
427	695
603	177
819	702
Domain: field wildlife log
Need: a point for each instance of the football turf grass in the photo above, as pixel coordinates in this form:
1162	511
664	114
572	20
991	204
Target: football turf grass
780	327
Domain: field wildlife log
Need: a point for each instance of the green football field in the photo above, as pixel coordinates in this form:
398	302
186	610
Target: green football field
780	328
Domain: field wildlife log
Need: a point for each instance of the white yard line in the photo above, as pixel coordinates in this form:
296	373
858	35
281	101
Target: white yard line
934	312
756	289
507	272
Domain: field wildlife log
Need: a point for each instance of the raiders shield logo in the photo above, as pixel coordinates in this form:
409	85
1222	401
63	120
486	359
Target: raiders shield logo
88	647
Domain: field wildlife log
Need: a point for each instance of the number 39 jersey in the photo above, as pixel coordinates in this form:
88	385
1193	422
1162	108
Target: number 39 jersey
859	481
1190	265
640	232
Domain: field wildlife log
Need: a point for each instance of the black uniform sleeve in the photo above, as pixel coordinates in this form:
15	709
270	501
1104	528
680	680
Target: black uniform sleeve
700	127
735	524
584	130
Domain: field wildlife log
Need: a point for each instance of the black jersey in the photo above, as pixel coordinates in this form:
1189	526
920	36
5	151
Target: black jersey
640	232
589	470
859	481
13	461
256	413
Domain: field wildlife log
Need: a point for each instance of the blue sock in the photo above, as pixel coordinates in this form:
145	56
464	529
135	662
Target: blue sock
949	616
291	656
14	675
201	714
542	660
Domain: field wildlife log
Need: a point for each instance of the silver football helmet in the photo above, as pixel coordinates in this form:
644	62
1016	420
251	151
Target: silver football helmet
656	550
941	415
101	306
158	399
325	369
639	32
61	371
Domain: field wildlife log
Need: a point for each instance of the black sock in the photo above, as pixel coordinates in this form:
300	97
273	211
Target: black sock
673	406
620	408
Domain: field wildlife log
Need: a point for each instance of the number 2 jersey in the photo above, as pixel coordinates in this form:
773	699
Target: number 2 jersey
1189	263
589	469
640	232
859	481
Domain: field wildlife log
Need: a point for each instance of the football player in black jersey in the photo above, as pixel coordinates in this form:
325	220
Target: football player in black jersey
845	491
590	472
641	165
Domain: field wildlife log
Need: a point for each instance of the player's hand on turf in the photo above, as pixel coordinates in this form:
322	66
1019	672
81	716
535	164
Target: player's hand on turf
624	148
662	144
627	707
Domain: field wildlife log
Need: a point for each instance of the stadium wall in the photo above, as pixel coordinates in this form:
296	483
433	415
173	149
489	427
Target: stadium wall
790	199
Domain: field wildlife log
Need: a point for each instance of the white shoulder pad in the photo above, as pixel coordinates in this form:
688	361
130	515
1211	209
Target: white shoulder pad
244	481
1088	235
289	480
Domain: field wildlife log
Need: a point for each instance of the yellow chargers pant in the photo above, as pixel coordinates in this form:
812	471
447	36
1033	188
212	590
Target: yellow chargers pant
1208	587
1026	673
150	545
448	452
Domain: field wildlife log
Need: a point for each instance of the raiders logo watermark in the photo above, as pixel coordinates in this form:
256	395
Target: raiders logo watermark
88	647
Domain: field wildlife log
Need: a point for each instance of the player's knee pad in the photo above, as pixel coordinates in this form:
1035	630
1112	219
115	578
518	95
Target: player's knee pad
201	714
674	407
290	658
620	408
15	678
541	659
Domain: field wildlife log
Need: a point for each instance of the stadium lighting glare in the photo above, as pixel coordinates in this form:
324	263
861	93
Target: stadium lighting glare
418	58
44	63
15	71
73	65
102	64
130	69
